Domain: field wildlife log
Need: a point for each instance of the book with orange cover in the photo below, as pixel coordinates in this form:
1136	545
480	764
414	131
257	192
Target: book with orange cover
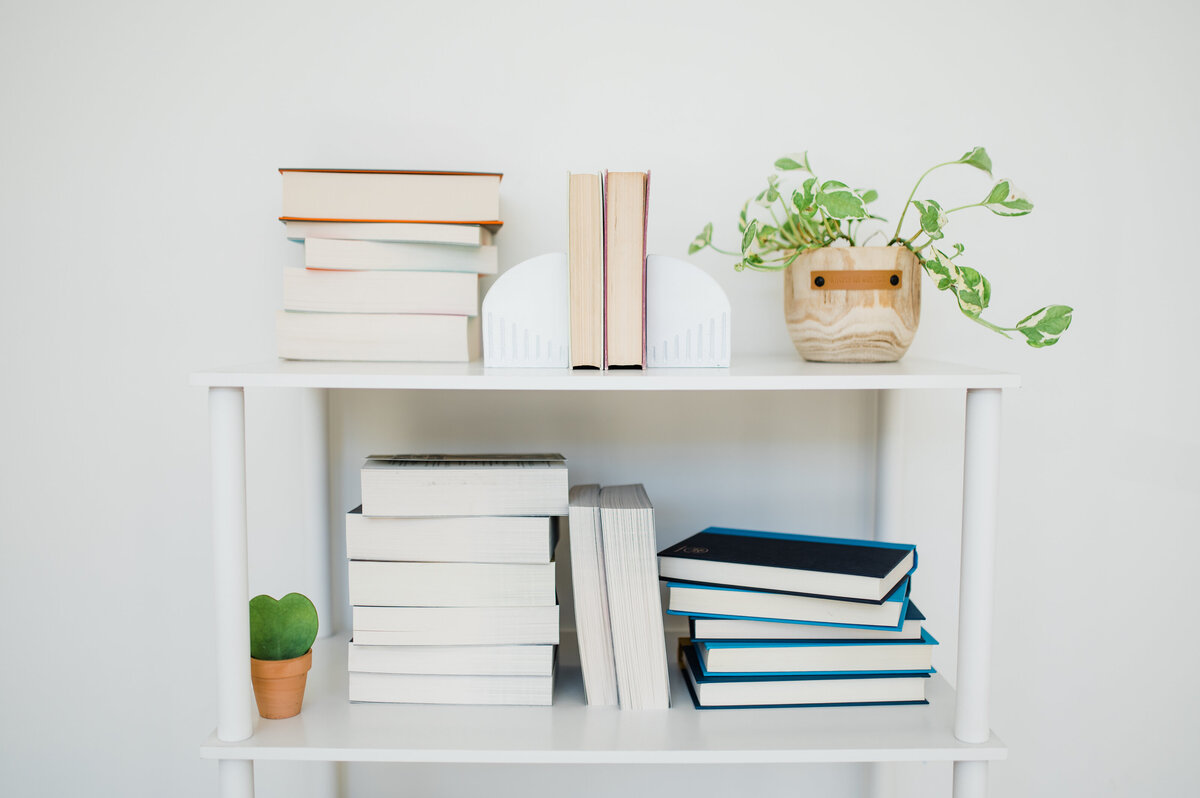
383	195
626	198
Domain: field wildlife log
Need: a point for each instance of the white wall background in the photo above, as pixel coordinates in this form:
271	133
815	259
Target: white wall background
138	192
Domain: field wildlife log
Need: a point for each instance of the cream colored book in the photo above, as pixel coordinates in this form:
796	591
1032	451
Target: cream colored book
386	195
468	235
585	269
333	253
448	293
376	337
625	203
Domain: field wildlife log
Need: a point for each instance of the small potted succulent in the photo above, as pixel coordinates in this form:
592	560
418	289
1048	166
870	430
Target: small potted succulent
847	302
281	637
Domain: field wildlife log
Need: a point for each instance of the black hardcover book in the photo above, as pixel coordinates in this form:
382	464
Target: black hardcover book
836	567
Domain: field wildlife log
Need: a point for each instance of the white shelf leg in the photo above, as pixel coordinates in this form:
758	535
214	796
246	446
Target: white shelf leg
981	474
889	472
314	492
970	779
227	427
236	778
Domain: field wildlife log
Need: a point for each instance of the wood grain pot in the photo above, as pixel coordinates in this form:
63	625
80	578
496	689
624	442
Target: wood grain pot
279	685
853	304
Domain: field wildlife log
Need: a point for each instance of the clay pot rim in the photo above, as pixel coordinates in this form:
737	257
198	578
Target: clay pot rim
281	668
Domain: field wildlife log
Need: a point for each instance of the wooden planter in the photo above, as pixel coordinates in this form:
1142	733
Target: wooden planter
853	304
279	685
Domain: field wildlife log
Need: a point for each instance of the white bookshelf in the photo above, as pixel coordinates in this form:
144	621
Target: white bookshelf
952	727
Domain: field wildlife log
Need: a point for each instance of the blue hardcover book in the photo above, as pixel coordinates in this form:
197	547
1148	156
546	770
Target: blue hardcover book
817	657
710	601
842	568
710	691
706	629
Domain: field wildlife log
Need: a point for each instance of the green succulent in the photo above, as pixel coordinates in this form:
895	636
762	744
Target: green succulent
283	629
819	213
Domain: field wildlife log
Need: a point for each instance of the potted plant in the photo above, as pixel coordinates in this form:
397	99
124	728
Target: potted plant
281	637
848	302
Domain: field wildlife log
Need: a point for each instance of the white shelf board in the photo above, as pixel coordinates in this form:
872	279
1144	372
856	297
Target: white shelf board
330	728
764	373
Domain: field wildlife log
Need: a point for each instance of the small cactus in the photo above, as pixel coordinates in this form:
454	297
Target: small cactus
283	629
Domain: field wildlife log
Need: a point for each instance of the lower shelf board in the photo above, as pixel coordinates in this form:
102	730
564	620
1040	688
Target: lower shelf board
331	729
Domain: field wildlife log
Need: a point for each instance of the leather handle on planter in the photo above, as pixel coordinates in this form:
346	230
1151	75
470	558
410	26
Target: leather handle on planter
852	280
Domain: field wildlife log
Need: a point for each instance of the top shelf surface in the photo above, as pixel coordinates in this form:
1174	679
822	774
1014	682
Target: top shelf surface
763	373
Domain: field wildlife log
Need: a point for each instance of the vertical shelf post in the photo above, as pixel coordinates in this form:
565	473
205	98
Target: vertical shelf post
227	423
314	493
981	474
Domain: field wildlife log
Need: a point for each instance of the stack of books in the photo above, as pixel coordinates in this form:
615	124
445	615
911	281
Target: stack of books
618	608
606	267
451	579
392	261
797	620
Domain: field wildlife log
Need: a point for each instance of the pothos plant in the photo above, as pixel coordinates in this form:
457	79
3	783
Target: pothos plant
820	213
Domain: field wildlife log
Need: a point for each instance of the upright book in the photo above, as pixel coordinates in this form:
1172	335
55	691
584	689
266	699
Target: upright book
836	567
585	269
390	195
626	200
635	607
592	621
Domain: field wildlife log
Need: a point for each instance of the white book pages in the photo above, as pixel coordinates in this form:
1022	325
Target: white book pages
635	606
591	597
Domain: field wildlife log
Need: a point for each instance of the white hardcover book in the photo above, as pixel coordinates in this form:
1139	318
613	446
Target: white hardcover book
463	235
396	688
483	538
331	253
739	629
460	584
455	626
347	195
376	337
426	485
591	597
452	660
634	603
441	293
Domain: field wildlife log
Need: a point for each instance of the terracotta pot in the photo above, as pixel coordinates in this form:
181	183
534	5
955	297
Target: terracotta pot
279	684
853	304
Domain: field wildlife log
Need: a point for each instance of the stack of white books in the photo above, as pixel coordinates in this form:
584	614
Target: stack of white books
392	261
451	579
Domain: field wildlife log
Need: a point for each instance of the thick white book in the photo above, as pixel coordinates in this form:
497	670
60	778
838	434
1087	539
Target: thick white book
452	660
332	253
487	484
458	584
591	597
397	688
332	291
634	604
455	626
466	235
379	337
737	657
481	538
387	195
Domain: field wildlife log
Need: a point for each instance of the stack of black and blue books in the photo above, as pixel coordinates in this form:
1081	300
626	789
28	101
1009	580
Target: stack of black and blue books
797	620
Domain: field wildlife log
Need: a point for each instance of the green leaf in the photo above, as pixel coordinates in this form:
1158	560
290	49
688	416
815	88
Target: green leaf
701	241
283	629
1044	327
978	158
999	192
869	196
969	302
841	203
788	162
933	219
1006	200
748	236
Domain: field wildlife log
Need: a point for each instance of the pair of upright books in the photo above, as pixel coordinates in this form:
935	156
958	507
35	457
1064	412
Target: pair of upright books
392	261
618	609
606	267
797	620
452	579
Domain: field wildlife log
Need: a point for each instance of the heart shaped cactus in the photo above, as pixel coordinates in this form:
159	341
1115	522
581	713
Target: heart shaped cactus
283	629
